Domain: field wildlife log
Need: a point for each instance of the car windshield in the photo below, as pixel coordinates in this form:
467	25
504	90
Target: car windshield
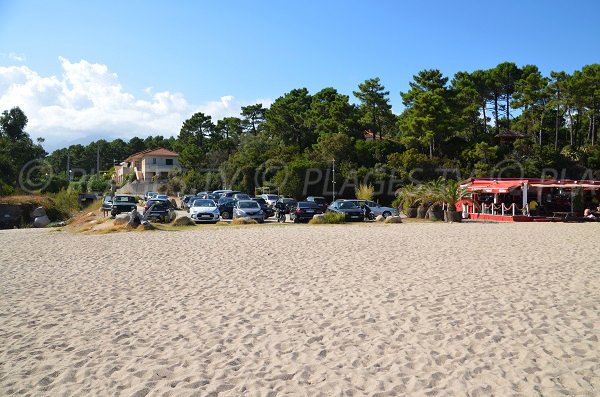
319	200
347	205
204	203
226	200
260	200
307	204
107	199
248	204
272	197
125	199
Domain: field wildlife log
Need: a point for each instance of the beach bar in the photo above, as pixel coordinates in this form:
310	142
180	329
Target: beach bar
529	199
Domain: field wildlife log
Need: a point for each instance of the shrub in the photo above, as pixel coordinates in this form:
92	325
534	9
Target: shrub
97	184
66	202
5	189
365	192
329	218
243	221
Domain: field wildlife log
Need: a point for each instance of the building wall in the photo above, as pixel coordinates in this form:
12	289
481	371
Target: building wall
149	166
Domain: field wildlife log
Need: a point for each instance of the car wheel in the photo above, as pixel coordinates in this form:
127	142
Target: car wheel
225	215
386	214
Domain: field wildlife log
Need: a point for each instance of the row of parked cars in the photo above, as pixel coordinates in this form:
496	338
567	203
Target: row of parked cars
204	206
210	207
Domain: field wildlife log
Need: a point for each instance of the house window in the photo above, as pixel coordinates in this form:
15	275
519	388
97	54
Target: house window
154	161
169	161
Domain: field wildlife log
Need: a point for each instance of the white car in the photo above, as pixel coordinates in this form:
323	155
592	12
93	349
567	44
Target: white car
204	210
271	199
375	208
248	209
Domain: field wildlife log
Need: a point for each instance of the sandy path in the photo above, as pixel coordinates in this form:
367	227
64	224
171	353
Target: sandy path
411	309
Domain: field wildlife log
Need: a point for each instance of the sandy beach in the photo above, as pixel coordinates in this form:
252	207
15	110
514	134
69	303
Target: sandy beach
285	310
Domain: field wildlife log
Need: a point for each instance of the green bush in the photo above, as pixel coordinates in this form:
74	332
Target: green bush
329	218
96	184
66	201
5	189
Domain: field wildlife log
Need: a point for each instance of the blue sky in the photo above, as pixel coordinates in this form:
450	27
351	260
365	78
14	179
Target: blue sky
200	52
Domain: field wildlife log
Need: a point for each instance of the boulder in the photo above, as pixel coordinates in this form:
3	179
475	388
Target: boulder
319	217
41	221
184	221
393	219
10	216
134	219
39	211
380	218
122	219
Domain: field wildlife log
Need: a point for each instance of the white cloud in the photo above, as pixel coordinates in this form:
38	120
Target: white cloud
13	56
88	102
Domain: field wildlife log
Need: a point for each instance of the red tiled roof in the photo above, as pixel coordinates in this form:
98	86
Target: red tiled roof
155	152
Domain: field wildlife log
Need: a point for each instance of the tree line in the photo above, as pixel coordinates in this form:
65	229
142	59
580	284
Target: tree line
467	123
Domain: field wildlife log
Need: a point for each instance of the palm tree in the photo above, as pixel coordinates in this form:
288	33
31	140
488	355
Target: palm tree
451	194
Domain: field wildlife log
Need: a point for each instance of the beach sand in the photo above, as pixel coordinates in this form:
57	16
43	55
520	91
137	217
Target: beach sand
284	310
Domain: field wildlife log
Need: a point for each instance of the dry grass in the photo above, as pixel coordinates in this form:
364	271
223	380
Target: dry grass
183	221
243	221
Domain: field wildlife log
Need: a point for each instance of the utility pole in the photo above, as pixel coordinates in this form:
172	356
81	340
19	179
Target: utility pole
333	181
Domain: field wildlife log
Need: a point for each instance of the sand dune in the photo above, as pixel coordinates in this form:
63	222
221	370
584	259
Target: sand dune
286	310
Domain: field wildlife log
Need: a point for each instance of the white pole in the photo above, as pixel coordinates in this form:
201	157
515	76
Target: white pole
333	181
524	190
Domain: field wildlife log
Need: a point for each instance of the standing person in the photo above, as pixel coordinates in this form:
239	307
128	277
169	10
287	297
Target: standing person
533	207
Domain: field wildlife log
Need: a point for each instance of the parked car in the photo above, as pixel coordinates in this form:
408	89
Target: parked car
248	209
161	197
375	208
106	204
161	210
241	196
226	206
204	210
148	195
186	201
304	211
123	203
270	199
219	193
269	211
349	209
231	193
320	201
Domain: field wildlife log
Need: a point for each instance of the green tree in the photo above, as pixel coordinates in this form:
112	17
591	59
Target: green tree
375	109
253	117
287	117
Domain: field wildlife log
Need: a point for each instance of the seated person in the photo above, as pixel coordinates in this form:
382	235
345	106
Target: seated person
588	214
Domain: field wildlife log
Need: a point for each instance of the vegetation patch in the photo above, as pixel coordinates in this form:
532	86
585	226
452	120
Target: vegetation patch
244	221
329	218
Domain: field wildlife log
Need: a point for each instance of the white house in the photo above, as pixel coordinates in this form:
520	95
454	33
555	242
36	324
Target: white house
149	165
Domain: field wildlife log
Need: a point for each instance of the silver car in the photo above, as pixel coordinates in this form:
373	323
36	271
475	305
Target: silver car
204	210
375	208
248	209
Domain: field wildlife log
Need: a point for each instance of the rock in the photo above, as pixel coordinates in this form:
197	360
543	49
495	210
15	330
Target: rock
41	221
134	219
39	211
380	218
89	214
319	217
393	219
184	221
10	216
121	219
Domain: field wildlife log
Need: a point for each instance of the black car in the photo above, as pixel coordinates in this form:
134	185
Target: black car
304	211
123	203
159	209
320	201
349	209
269	212
226	205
